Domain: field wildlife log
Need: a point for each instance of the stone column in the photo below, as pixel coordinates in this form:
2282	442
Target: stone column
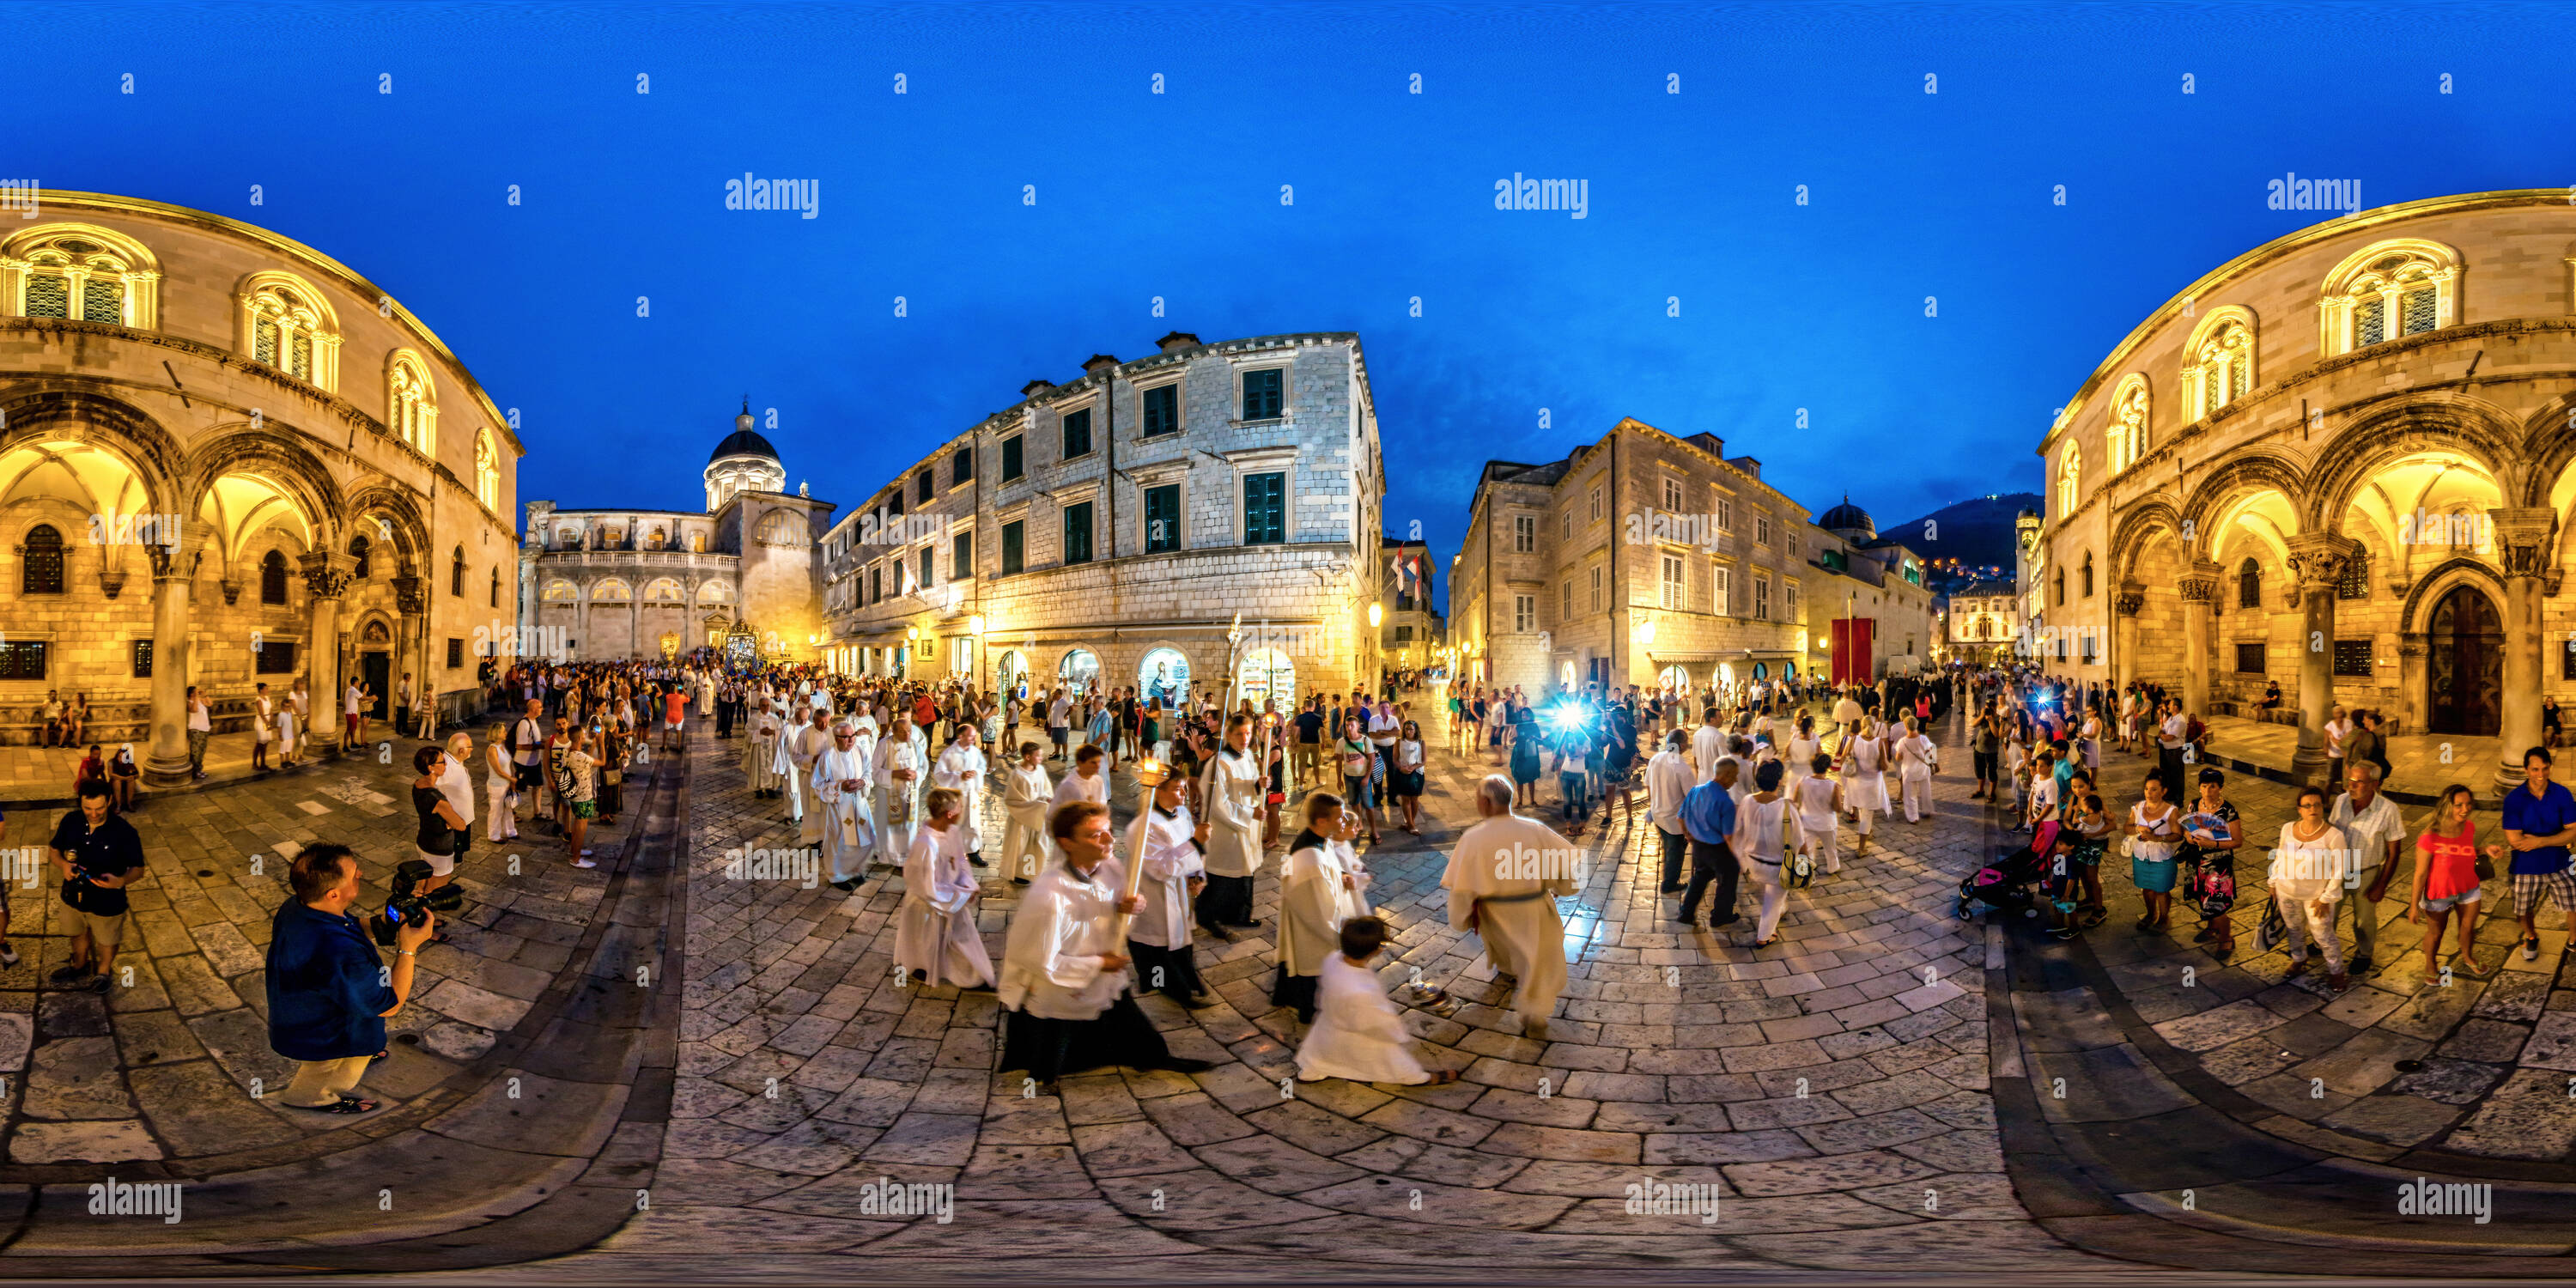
2124	641
2199	588
326	579
412	654
165	763
2523	538
2317	562
2411	707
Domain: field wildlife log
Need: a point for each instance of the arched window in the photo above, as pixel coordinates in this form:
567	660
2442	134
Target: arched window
2387	291
44	562
2058	582
2128	432
2221	360
80	271
272	578
496	588
2069	473
487	471
286	324
411	401
2355	583
2088	574
358	551
779	528
2249	584
1985	628
456	573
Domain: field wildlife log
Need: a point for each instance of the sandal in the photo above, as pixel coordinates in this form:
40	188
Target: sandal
344	1105
2469	963
1443	1077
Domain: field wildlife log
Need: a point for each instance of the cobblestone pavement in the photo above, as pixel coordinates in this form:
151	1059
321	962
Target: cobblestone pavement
1832	1090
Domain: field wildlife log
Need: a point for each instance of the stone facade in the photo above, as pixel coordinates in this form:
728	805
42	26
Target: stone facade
1410	631
247	462
2340	461
1982	620
650	583
1164	569
1646	557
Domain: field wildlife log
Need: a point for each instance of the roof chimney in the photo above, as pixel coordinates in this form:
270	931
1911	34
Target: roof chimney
1097	363
1177	341
1035	387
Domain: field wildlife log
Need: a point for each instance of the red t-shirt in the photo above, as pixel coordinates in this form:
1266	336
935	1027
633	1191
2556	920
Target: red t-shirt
2450	862
675	704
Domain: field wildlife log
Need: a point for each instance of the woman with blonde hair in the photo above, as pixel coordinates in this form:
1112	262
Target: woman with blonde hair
500	784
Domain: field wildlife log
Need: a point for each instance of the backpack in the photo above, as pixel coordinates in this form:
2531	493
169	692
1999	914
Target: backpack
1800	871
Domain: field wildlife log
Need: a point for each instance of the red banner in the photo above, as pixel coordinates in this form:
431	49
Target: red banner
1855	647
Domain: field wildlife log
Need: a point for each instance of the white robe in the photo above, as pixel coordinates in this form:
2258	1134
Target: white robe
1072	787
899	801
955	764
849	833
1170	861
935	928
760	752
800	747
1358	1032
1026	799
1515	917
1232	791
1312	907
1864	776
1051	959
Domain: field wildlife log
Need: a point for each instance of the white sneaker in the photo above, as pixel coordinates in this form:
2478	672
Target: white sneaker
8	955
583	863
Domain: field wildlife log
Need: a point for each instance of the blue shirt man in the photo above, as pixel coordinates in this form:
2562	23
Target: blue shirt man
1708	813
1708	816
327	993
2551	811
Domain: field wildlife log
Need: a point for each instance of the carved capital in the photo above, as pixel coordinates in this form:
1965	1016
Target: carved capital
2549	582
326	575
409	596
172	563
2522	538
2410	646
110	580
232	589
2318	560
2132	597
2199	585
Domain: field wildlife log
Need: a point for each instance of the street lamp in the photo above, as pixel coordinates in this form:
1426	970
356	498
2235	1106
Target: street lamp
1646	632
1377	613
976	623
912	632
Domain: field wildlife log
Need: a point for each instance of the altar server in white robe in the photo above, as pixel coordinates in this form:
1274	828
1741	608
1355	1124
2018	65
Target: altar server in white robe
1026	797
1231	792
840	783
1316	895
935	940
961	769
1503	880
1087	782
760	752
1170	845
1064	994
902	774
1359	1031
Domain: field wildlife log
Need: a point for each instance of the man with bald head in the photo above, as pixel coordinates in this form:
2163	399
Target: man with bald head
1503	882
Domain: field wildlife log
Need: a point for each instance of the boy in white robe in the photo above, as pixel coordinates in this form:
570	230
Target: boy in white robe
840	783
902	772
935	939
1359	1032
1169	843
961	770
1086	783
1026	797
1316	895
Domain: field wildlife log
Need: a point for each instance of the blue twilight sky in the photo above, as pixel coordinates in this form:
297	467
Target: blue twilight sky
1177	195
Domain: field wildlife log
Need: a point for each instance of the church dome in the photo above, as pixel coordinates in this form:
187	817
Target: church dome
743	441
1846	517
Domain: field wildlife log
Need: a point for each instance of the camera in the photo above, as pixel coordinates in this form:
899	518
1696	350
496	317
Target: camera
407	904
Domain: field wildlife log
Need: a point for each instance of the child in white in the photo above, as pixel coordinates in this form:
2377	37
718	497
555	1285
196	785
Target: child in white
935	939
1026	796
1358	1031
1762	849
1818	799
1914	756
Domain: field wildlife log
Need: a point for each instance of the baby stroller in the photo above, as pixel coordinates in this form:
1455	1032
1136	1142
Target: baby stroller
2012	883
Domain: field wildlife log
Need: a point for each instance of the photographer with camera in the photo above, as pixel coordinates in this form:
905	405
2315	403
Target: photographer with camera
328	991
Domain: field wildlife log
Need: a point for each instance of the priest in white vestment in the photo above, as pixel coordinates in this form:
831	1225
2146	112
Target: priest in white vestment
840	783
902	774
1503	880
935	939
760	752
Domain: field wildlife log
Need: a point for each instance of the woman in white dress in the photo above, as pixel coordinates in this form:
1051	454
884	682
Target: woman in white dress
1864	775
500	778
1914	756
1803	746
1819	799
1767	832
2088	740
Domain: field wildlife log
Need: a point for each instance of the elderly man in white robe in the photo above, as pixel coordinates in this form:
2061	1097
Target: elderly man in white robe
961	769
1503	882
935	939
1231	791
840	783
760	752
1316	895
1027	795
1170	845
901	775
1066	1007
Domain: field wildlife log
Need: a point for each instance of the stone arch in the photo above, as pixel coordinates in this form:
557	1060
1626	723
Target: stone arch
2451	572
410	530
33	413
2548	438
2136	526
2248	469
280	461
2442	421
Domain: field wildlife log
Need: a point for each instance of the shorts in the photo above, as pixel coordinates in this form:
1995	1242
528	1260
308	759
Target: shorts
2088	853
104	932
1058	735
673	724
2528	887
529	776
439	864
585	809
2464	897
352	721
